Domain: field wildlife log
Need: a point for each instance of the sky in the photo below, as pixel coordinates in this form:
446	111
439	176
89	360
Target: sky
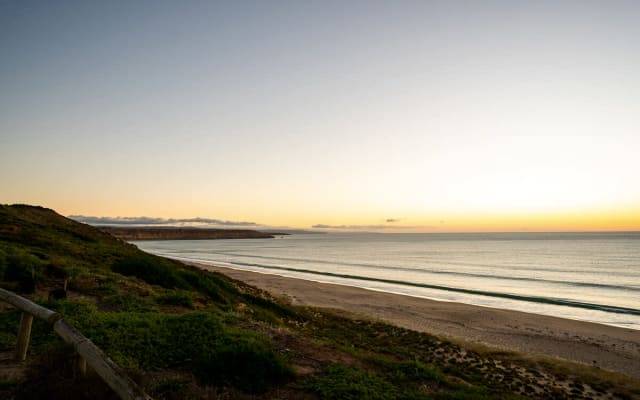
340	115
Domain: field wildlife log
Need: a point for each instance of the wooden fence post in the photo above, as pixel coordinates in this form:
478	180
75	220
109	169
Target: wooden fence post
24	335
89	355
82	365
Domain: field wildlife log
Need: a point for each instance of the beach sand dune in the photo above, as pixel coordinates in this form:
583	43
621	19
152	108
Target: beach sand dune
607	347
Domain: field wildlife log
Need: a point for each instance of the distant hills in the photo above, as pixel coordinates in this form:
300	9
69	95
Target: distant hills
171	233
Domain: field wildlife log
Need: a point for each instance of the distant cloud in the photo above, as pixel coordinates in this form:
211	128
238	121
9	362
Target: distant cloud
137	221
389	225
323	226
361	227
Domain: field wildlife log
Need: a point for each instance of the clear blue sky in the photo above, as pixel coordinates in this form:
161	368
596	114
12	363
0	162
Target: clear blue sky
480	114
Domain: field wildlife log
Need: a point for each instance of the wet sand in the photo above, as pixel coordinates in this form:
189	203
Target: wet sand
603	346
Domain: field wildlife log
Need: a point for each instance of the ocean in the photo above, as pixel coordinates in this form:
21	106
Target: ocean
583	276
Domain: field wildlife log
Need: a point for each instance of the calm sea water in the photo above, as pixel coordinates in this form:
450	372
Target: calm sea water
585	276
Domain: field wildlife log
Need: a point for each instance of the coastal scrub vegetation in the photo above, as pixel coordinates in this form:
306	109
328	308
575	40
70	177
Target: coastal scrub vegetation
182	332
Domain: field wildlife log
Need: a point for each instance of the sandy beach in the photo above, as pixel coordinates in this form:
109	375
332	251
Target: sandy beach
603	346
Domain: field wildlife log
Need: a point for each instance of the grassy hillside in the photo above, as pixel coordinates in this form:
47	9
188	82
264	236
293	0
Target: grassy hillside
185	333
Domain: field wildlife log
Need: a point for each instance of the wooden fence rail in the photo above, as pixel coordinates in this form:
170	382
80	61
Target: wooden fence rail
89	353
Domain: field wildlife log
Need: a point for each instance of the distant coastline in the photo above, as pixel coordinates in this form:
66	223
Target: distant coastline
172	233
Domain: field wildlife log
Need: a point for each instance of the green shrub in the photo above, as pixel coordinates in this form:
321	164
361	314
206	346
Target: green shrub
170	388
176	298
133	340
126	303
216	288
338	382
8	329
244	361
42	336
24	268
197	342
410	371
150	269
72	311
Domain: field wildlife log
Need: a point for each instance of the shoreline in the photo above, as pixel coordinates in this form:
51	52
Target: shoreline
554	305
603	346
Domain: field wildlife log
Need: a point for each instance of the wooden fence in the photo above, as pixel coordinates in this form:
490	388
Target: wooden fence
89	354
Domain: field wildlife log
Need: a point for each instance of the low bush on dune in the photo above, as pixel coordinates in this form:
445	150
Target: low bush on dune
150	269
242	360
340	382
126	302
195	342
217	288
21	268
180	298
163	272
